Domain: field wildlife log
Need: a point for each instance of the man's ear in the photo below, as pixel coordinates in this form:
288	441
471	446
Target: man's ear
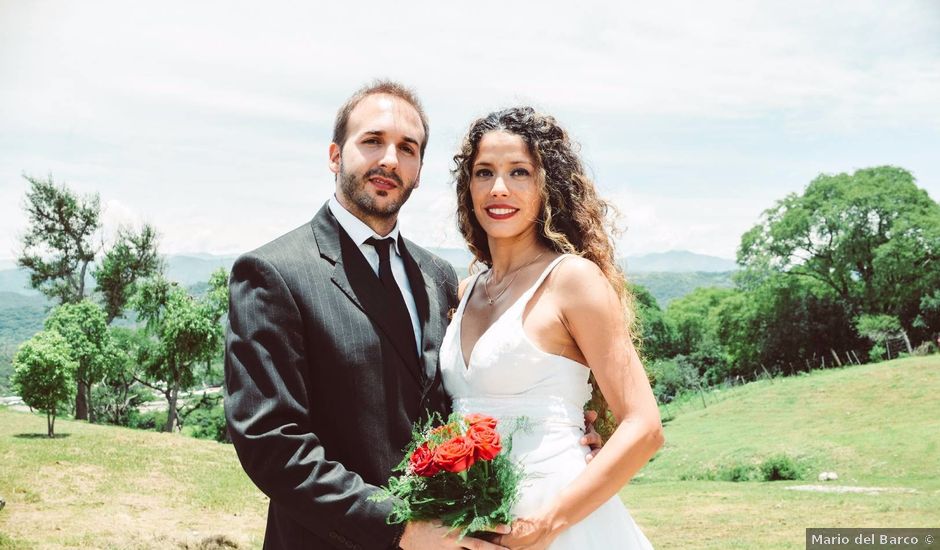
335	157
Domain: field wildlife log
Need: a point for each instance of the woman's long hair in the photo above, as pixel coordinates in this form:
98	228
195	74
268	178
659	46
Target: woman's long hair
573	218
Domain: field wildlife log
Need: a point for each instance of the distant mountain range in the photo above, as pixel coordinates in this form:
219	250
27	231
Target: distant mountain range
678	261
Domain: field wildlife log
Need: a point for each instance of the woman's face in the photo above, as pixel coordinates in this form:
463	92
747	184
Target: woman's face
503	187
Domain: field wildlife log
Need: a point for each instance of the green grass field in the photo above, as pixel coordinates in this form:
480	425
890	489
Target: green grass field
874	425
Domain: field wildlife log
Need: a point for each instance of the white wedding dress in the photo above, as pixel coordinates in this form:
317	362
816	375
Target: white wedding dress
508	377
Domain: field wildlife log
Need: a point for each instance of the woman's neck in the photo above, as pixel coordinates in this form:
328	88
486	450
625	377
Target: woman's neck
513	253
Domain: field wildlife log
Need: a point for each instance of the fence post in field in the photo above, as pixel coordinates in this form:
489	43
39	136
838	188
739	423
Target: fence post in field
836	356
771	378
857	360
907	342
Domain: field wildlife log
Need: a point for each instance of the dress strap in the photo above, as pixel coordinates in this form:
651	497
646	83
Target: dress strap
524	299
466	293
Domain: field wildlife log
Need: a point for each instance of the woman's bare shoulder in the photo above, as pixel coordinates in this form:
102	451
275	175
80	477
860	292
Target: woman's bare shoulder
577	273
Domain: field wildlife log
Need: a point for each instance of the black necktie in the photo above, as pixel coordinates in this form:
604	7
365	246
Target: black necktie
391	286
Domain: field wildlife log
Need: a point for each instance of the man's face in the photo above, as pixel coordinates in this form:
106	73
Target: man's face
380	163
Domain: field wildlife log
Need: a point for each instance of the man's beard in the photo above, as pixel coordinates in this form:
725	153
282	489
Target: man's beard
354	188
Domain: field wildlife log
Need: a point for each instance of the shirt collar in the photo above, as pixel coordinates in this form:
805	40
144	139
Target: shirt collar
357	229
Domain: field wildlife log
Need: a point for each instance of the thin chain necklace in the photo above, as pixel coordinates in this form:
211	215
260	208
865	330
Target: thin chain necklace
486	283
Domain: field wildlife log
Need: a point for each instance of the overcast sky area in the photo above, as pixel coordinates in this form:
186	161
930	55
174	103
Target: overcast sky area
211	120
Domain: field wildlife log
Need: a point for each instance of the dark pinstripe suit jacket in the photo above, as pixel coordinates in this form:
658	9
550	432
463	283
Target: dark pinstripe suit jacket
320	400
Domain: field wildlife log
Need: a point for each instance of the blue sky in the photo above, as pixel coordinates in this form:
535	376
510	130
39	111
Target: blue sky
212	121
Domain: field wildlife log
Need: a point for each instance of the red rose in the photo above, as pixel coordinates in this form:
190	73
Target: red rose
455	455
422	462
485	440
473	419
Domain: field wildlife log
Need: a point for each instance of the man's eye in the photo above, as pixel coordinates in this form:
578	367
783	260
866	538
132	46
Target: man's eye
483	173
408	149
371	140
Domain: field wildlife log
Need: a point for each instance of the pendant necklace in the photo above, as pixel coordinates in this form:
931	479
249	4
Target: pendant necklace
486	283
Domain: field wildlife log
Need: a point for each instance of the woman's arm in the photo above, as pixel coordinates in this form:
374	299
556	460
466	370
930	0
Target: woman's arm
592	313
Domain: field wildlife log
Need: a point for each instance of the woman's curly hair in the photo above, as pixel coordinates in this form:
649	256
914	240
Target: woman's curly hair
573	219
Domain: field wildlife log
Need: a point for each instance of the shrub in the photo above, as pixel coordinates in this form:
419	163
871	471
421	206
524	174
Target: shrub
775	468
150	420
781	467
209	423
672	377
877	353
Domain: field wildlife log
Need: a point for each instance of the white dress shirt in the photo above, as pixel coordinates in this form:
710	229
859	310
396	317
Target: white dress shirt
359	232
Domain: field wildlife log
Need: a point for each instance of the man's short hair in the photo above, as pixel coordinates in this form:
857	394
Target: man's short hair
387	87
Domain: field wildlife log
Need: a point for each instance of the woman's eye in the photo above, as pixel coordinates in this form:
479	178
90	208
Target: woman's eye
520	172
483	173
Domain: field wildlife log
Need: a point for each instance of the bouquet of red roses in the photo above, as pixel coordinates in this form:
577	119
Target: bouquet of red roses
457	472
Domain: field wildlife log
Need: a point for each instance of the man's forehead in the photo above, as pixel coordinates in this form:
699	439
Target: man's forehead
376	108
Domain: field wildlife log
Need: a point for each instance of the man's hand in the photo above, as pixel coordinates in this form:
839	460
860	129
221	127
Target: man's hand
591	438
419	535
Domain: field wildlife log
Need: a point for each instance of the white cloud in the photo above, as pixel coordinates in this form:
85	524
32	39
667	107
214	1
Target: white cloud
211	119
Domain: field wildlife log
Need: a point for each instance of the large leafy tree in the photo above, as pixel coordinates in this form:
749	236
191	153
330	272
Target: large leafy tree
42	374
84	327
872	238
185	332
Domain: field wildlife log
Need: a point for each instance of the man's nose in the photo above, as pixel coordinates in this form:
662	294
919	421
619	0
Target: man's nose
389	160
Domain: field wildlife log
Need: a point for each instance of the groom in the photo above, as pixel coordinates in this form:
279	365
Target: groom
332	347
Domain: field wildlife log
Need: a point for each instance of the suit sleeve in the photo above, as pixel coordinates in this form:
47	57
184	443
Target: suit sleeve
266	406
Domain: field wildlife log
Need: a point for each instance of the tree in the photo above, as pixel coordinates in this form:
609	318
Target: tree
780	321
184	331
693	318
59	249
872	238
58	244
43	371
84	327
133	257
655	334
119	393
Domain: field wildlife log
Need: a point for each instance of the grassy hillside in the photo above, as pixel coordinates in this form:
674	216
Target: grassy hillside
107	487
875	425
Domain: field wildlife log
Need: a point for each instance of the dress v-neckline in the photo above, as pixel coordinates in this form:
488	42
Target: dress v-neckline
468	360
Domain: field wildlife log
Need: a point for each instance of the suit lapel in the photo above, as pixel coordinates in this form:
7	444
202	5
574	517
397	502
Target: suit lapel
353	275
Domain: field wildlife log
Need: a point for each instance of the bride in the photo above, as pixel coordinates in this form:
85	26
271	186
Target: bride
550	309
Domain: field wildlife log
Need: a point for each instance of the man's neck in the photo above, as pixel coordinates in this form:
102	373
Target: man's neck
381	225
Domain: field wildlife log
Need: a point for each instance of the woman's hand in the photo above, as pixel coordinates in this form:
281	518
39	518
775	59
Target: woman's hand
531	533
